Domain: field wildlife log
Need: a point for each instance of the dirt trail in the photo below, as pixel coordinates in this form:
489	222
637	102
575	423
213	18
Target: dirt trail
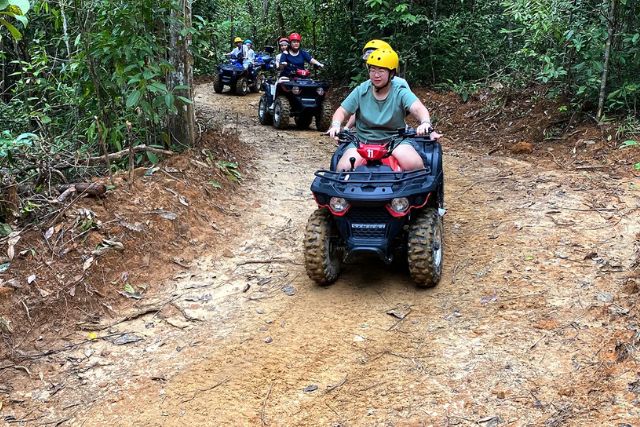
523	329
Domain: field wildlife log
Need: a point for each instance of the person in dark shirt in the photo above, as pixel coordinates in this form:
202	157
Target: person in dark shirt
295	58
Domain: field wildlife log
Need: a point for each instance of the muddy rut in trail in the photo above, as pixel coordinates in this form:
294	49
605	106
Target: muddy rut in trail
525	328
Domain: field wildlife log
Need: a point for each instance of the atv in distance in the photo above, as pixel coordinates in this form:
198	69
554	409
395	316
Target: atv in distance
239	80
378	209
299	97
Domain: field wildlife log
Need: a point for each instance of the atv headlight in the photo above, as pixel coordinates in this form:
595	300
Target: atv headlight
400	204
295	90
320	91
338	204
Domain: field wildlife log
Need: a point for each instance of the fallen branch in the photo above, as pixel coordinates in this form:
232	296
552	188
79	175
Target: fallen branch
120	154
202	390
331	388
89	188
267	261
264	405
152	309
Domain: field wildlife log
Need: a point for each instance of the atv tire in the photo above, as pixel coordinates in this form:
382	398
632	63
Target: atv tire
425	248
217	84
303	121
324	116
255	87
242	87
281	113
264	116
322	259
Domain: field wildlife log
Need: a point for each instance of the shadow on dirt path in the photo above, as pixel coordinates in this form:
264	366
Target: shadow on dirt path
524	328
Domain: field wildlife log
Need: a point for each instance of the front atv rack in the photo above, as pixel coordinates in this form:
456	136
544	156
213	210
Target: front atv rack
356	185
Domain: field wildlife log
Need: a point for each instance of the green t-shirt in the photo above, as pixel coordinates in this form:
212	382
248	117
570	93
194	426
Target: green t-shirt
377	120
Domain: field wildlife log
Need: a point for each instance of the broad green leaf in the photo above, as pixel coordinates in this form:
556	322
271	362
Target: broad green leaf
27	136
22	4
13	30
5	229
153	158
22	19
629	143
133	98
157	86
169	100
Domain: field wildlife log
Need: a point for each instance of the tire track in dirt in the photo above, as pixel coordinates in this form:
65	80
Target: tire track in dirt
515	332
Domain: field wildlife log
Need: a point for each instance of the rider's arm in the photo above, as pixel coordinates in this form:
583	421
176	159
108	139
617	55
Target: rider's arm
420	112
314	61
336	121
351	122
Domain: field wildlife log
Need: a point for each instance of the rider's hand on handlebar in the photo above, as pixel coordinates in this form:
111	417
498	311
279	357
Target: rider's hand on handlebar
334	131
425	129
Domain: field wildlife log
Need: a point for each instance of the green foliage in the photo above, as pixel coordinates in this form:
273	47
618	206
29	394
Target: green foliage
16	9
230	169
9	146
92	71
629	143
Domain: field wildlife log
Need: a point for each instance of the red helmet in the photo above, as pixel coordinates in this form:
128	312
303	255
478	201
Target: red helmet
295	36
283	39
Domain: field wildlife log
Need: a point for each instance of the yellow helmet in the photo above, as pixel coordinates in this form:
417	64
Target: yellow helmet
376	44
237	39
384	58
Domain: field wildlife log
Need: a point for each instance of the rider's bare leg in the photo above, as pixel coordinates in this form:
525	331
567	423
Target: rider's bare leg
344	164
408	158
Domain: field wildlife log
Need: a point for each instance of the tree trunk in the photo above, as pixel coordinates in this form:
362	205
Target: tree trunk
252	15
182	124
280	18
607	55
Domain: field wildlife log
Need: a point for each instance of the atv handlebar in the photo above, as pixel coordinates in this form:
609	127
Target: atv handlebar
346	137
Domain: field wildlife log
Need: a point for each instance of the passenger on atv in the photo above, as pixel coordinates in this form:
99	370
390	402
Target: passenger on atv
295	58
380	108
249	54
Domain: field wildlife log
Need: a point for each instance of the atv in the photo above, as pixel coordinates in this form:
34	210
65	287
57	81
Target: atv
379	209
300	97
241	81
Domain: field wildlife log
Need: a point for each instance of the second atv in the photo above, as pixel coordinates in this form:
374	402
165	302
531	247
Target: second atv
301	98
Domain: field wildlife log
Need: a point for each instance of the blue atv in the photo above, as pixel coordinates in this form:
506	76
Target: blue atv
378	209
239	80
300	97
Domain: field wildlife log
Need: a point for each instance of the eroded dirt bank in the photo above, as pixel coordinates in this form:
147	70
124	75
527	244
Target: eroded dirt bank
533	322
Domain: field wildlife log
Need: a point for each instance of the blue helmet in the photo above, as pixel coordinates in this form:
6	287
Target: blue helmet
248	41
